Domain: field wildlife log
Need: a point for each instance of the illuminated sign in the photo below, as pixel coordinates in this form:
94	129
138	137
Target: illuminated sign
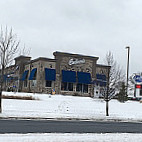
138	86
76	61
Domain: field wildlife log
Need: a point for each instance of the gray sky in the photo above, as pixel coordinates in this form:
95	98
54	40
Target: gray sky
89	27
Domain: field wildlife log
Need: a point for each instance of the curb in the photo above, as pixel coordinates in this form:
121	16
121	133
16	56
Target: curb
72	119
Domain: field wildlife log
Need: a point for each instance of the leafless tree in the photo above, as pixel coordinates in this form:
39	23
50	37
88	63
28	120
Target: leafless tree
24	51
116	75
8	48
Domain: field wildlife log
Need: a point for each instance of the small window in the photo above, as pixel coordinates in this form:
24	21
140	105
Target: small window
85	88
64	86
48	83
25	83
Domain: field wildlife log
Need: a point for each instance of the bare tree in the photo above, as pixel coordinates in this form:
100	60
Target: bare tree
24	51
115	77
8	48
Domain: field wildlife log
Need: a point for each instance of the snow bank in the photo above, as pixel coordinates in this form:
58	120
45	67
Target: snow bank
59	106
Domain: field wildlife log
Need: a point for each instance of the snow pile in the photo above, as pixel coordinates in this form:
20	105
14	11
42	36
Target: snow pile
59	106
20	94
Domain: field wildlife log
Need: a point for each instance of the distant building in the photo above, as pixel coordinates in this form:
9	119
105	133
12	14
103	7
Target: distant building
68	74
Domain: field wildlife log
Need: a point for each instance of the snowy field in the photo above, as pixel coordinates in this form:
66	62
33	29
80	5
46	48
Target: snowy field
71	137
59	106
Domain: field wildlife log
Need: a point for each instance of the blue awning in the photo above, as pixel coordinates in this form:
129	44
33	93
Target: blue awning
101	79
50	74
25	75
32	74
84	77
68	76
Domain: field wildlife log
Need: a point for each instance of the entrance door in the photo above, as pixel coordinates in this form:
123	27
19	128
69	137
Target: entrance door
96	91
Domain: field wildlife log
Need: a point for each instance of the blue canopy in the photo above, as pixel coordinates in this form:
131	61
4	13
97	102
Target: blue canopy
32	74
68	76
25	74
50	74
84	77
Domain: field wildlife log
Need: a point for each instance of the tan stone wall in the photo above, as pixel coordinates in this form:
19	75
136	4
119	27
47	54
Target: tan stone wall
40	78
83	67
102	70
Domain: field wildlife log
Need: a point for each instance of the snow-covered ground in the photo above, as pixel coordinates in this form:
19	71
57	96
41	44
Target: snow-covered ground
71	137
59	106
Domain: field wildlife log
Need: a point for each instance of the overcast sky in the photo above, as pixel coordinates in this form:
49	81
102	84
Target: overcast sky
89	27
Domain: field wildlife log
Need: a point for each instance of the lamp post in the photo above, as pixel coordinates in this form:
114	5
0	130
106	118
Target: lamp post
127	69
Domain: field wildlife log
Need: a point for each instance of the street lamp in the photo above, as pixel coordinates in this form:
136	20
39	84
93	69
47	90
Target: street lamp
127	69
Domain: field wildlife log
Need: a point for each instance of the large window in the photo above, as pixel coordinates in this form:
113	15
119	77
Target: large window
66	86
82	88
48	83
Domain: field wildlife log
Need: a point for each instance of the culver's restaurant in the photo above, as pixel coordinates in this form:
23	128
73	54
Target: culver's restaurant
67	73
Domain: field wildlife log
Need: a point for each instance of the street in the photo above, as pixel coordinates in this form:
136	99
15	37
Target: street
53	126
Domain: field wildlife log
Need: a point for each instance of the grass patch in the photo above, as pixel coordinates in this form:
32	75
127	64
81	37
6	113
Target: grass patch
19	97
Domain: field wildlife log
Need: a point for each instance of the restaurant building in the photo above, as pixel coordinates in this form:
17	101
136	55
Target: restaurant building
67	74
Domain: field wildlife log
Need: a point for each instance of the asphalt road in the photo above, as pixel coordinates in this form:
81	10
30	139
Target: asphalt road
52	126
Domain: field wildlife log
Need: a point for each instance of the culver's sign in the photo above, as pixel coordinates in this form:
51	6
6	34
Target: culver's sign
76	61
137	78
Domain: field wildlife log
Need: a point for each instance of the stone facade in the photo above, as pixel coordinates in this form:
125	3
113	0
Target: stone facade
61	62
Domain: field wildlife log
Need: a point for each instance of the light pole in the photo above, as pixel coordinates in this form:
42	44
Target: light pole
127	69
107	93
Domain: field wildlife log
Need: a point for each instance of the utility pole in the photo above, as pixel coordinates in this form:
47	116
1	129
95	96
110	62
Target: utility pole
107	93
127	68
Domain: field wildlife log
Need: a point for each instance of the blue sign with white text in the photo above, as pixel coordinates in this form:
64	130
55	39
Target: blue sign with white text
137	78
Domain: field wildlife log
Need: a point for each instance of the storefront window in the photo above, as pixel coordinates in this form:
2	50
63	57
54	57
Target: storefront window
70	86
25	83
79	87
85	88
82	88
48	83
66	86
